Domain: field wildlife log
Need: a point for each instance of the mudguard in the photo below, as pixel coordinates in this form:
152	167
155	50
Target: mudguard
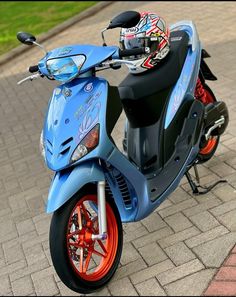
68	182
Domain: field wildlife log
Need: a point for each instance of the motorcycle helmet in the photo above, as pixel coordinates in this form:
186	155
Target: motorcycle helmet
151	31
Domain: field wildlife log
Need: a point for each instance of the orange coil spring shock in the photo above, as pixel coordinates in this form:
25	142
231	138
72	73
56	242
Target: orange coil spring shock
200	93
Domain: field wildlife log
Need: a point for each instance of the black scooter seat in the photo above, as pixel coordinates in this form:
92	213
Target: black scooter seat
163	76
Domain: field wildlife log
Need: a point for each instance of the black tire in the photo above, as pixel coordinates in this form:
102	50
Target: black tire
202	158
59	250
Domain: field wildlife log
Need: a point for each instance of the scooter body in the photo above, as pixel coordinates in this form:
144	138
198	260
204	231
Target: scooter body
163	136
78	106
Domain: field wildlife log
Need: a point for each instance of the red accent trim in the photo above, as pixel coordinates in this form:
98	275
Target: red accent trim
205	97
200	93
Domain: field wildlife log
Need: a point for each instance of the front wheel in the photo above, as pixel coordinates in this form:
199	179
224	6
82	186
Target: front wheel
83	264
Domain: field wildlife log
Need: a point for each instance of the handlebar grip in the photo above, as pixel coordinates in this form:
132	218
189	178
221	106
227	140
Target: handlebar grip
131	52
34	68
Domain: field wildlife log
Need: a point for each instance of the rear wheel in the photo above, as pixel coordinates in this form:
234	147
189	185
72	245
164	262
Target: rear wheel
83	264
208	147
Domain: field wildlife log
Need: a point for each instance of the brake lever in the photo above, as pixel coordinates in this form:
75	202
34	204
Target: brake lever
31	77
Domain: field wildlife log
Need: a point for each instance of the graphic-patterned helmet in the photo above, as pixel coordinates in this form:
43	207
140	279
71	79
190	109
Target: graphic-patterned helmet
151	31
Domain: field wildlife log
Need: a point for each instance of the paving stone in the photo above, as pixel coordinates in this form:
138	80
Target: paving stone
2	258
151	271
154	222
13	252
46	286
213	253
23	286
48	271
35	240
179	253
221	289
129	269
129	254
231	261
202	207
166	203
226	274
179	272
7	231
177	207
229	220
177	237
16	266
178	222
204	221
25	226
5	286
150	288
23	270
122	287
34	254
206	236
152	254
223	208
152	237
233	251
36	205
179	195
42	226
192	285
223	170
225	193
20	215
130	235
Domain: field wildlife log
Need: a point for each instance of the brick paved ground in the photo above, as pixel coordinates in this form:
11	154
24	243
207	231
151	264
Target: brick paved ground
176	250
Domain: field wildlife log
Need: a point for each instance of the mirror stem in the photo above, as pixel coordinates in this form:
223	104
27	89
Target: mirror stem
42	48
103	38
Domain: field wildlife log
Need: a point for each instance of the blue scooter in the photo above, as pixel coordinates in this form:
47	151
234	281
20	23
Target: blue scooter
173	123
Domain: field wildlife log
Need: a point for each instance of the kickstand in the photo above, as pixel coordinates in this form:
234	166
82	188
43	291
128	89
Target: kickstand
195	187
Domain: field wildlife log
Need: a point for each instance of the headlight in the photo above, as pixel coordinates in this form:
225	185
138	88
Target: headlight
41	145
65	69
89	143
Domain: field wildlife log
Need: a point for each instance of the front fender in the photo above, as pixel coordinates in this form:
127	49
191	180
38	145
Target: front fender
67	182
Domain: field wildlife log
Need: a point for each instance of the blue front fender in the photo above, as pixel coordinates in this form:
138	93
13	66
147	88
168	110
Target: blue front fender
68	182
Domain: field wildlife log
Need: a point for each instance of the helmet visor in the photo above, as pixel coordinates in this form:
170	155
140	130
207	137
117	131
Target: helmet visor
134	41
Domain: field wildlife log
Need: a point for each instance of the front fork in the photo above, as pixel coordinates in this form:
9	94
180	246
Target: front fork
102	216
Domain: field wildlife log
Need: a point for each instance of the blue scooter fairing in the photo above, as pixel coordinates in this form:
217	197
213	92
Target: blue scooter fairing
75	108
67	183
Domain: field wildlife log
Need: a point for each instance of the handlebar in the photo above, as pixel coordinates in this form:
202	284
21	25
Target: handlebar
34	68
135	51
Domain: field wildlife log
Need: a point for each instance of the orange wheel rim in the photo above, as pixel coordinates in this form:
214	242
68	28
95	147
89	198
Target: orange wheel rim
212	142
91	259
208	148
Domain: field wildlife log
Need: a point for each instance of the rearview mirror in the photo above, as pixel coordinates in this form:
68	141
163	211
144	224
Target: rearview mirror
26	38
127	19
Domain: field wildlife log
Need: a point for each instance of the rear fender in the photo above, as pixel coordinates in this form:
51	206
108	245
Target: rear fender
205	69
68	182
